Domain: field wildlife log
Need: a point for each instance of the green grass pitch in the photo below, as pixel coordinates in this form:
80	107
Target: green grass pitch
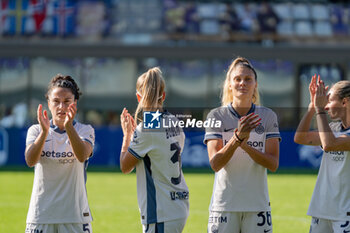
113	201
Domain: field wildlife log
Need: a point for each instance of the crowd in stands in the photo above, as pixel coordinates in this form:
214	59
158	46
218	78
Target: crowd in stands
140	21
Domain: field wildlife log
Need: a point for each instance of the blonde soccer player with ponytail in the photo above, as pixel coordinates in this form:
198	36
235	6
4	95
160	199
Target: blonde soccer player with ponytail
240	152
161	188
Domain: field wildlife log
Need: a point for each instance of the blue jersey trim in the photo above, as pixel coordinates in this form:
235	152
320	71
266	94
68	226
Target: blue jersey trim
131	151
151	193
274	135
160	227
87	140
56	129
211	136
86	163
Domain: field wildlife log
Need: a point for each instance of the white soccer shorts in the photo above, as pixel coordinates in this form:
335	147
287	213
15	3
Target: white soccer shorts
240	222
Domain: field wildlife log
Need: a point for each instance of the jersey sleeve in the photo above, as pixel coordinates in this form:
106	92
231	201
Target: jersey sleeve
272	129
32	133
213	132
87	133
141	143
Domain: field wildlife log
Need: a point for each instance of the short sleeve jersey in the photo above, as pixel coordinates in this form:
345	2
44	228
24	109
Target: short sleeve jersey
59	192
161	188
331	196
241	185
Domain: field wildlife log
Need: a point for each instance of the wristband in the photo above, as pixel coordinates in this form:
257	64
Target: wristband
240	140
321	112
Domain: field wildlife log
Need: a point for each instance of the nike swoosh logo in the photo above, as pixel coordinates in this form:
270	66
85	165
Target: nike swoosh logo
226	130
265	231
48	140
346	231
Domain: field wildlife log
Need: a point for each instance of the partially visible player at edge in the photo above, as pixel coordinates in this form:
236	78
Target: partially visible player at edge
161	188
59	149
330	202
239	152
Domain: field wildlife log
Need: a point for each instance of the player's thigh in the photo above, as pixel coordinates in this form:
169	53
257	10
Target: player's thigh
341	226
258	222
40	228
74	228
224	222
320	225
175	226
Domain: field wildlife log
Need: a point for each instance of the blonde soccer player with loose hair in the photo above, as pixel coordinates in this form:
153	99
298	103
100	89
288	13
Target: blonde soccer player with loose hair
161	188
330	202
59	150
240	152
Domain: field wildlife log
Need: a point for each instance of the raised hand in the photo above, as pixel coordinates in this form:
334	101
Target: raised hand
43	119
246	124
127	122
321	96
312	90
70	114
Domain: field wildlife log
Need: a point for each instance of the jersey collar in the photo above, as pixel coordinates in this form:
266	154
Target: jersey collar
236	114
56	129
342	129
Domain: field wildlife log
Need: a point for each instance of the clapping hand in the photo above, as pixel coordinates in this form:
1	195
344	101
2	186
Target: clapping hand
43	119
246	124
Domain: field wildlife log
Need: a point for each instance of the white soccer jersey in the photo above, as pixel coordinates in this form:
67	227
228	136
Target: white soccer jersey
331	196
162	192
59	192
241	185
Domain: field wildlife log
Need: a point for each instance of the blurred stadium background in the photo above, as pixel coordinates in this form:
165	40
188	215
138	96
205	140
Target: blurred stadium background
105	45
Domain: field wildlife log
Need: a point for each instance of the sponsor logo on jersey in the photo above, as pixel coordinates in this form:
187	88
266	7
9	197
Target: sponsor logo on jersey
337	156
55	154
217	219
255	144
63	157
33	231
179	195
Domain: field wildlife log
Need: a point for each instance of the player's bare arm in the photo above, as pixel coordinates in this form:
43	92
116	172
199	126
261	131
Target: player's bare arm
219	155
268	159
33	151
82	149
303	134
328	140
127	160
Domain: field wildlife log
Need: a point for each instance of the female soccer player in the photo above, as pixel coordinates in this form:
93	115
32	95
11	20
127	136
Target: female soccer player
330	202
239	152
59	149
161	188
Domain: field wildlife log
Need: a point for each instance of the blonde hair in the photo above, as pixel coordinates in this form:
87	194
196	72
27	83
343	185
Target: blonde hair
227	97
342	89
150	86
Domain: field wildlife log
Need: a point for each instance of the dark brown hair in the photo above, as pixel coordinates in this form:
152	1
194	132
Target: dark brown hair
64	81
